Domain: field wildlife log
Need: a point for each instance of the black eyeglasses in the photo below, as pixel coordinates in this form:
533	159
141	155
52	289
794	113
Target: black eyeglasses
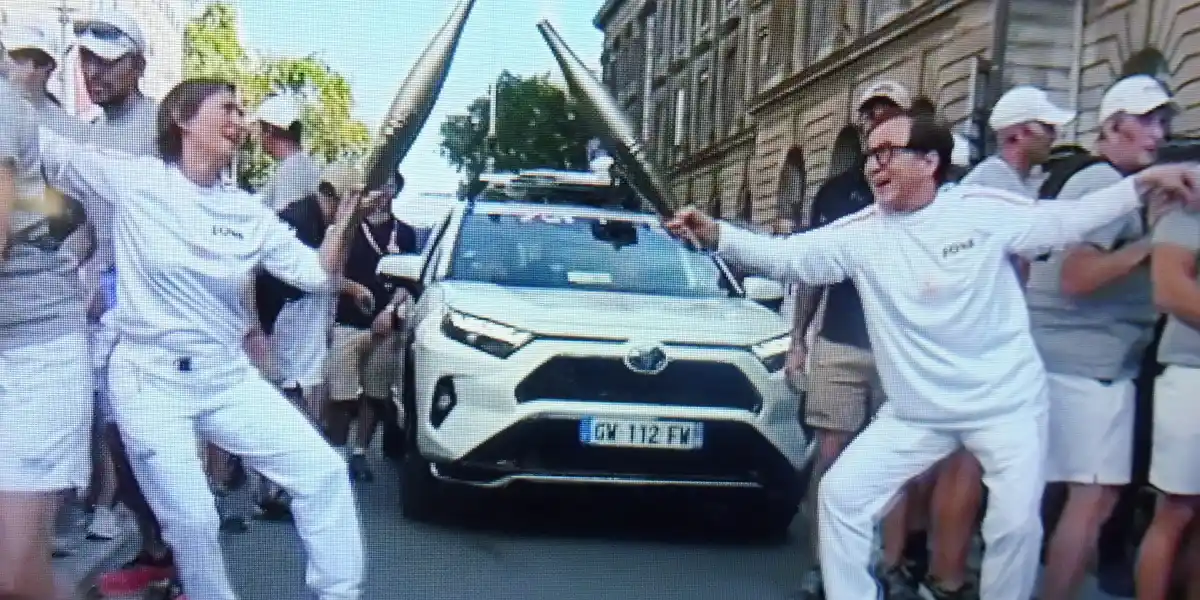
883	155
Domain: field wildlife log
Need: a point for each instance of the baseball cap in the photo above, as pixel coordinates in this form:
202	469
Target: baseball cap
887	90
1136	95
280	110
1027	104
110	34
27	37
345	178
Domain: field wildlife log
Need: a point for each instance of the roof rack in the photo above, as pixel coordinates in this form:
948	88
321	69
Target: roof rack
553	186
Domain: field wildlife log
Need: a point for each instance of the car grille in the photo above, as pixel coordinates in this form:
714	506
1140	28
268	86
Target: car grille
683	383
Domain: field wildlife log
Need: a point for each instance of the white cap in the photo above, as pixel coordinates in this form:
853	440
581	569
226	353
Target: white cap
887	90
961	155
1136	95
280	110
27	37
1027	104
110	34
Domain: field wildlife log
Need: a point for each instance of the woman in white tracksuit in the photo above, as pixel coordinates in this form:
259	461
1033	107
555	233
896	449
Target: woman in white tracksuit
187	246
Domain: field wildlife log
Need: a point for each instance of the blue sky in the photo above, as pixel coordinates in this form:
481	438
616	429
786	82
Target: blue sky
373	43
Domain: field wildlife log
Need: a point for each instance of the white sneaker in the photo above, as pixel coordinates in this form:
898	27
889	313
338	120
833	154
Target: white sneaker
64	546
105	525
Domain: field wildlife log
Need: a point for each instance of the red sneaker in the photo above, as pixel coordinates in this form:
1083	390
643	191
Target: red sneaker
135	576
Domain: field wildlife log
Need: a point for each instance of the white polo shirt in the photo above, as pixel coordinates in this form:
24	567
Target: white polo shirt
185	254
945	313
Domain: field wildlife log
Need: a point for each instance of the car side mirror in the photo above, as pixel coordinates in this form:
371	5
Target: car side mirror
764	291
403	270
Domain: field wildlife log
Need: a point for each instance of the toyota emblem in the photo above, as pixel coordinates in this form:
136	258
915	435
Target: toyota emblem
647	360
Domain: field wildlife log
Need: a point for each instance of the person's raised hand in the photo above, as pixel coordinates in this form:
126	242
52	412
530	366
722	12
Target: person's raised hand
696	227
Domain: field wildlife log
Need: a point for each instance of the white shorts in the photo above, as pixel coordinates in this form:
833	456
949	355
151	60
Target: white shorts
1175	457
300	342
46	415
1091	430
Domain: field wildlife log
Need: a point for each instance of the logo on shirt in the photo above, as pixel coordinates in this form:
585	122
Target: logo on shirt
219	231
957	247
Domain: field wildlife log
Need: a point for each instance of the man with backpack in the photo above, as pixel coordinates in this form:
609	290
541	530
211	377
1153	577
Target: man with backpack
1093	319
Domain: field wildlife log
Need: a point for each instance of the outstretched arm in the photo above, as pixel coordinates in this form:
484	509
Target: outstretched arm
83	170
815	258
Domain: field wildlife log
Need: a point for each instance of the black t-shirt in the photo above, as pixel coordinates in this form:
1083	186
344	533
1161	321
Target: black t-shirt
372	242
271	294
843	195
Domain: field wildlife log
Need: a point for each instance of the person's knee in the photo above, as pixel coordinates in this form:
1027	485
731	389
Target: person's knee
324	469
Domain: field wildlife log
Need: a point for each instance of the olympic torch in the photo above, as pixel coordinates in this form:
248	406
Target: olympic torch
599	107
415	99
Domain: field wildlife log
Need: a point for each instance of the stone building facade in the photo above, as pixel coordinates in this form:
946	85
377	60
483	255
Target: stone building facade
162	23
748	105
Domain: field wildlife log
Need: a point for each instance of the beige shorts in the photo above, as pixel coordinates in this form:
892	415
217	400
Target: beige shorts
843	388
1082	408
357	364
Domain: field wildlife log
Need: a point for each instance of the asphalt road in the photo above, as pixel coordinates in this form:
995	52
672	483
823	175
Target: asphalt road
535	546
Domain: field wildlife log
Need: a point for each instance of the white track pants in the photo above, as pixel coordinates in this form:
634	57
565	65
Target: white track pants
865	479
164	412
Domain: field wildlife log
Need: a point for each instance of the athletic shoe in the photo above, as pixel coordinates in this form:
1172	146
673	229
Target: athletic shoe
105	524
899	584
813	587
277	508
136	576
931	590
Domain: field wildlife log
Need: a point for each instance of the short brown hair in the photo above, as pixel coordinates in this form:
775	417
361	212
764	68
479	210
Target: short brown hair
181	104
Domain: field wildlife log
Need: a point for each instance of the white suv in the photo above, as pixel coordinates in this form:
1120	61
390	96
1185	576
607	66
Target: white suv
580	345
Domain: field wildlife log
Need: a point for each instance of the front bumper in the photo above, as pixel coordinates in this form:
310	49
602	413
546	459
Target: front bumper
512	420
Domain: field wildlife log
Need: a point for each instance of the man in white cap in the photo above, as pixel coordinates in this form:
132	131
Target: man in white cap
843	389
1026	123
112	51
297	174
32	58
1093	318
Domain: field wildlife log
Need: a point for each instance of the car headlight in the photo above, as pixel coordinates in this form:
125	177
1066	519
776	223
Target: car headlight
773	353
484	335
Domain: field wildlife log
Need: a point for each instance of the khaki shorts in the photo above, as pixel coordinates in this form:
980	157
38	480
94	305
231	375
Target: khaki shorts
843	389
356	365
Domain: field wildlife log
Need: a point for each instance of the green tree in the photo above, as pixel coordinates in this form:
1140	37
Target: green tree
537	127
212	49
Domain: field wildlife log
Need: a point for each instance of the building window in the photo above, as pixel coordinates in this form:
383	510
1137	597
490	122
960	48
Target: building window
824	27
648	33
680	116
878	13
731	88
704	116
762	50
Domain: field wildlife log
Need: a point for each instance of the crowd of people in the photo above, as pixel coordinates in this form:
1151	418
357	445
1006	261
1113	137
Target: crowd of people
168	327
990	339
995	329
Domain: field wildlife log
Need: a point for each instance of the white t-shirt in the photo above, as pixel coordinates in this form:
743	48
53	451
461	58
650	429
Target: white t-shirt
944	310
185	254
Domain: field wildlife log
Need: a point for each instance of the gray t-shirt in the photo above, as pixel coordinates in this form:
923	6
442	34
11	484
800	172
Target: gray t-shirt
1180	343
52	115
295	177
41	296
995	173
1102	335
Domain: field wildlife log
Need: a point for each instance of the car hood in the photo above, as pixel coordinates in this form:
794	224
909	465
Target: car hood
619	316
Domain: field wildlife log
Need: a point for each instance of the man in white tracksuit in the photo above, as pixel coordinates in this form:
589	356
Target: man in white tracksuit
945	313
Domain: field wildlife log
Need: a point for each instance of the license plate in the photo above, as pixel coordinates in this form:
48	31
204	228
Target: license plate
641	433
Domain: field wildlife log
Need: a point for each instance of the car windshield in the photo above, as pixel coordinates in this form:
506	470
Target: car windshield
553	251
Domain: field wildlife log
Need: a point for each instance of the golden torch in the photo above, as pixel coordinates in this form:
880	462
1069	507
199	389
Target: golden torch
416	98
599	107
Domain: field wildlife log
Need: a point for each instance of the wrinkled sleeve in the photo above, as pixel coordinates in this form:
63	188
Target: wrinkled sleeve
816	257
83	170
1180	227
1031	227
286	257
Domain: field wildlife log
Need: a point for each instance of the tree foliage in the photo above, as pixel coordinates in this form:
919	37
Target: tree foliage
212	48
537	126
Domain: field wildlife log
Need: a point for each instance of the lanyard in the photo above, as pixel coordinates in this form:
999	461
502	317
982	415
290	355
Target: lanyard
392	247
